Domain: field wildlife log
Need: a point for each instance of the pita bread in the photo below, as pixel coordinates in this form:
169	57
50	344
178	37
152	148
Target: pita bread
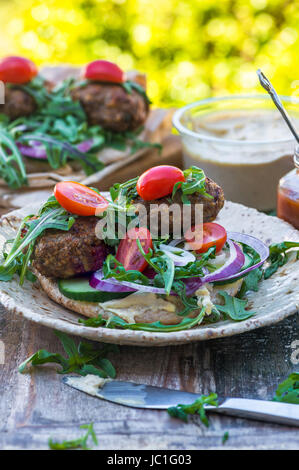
136	308
277	298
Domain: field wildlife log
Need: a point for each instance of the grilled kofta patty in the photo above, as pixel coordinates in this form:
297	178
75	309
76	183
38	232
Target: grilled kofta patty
18	103
66	254
111	107
211	206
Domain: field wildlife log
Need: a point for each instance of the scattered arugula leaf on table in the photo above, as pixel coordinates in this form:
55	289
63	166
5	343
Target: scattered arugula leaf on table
225	437
80	443
83	359
288	391
182	411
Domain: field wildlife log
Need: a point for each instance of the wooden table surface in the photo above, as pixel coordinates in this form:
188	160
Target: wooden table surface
35	406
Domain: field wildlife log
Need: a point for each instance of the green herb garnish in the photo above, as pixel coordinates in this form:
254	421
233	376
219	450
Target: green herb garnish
182	411
130	85
83	359
195	183
80	443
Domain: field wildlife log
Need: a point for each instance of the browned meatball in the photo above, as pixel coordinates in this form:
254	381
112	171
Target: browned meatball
211	206
111	107
18	103
63	255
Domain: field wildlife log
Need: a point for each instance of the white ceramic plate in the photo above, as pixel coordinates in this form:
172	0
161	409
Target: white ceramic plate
277	298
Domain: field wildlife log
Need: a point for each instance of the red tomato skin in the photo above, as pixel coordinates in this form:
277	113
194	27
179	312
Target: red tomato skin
104	71
158	182
17	70
78	199
128	252
213	234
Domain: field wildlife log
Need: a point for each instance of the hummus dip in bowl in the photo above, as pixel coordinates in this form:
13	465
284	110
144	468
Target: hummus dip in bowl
240	141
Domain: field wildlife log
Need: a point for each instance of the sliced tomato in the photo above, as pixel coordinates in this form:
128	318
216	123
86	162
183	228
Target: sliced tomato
201	238
158	182
79	199
17	70
128	252
104	71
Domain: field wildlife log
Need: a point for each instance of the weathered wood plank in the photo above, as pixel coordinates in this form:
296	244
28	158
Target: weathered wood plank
36	406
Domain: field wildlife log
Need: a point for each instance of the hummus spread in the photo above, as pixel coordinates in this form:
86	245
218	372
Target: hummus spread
138	304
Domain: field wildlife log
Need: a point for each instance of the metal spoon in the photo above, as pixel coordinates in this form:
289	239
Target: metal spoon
276	100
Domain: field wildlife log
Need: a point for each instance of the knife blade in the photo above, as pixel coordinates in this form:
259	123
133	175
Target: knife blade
148	396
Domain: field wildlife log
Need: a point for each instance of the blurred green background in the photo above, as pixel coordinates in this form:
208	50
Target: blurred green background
190	49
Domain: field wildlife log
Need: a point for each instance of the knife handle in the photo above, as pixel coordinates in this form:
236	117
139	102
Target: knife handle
275	412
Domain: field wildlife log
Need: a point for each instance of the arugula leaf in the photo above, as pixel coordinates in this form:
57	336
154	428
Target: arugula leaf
250	282
182	411
117	322
130	85
169	276
114	268
80	443
82	359
234	308
43	357
278	256
59	124
288	391
225	437
12	168
195	183
58	152
51	215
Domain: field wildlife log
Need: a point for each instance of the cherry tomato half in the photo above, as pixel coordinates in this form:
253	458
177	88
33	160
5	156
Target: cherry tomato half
128	252
104	71
158	181
212	234
17	70
79	199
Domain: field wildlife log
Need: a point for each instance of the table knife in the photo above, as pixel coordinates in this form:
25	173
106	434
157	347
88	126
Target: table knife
147	396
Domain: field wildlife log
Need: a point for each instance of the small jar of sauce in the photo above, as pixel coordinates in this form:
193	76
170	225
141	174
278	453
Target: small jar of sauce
288	194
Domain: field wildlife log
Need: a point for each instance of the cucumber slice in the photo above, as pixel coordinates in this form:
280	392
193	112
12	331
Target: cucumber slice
79	289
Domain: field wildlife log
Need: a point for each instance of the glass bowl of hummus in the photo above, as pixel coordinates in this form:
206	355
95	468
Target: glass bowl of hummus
241	142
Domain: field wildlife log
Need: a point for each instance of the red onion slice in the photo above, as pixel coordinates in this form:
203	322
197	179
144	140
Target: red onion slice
37	150
233	265
230	270
97	282
112	285
179	260
34	151
256	244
